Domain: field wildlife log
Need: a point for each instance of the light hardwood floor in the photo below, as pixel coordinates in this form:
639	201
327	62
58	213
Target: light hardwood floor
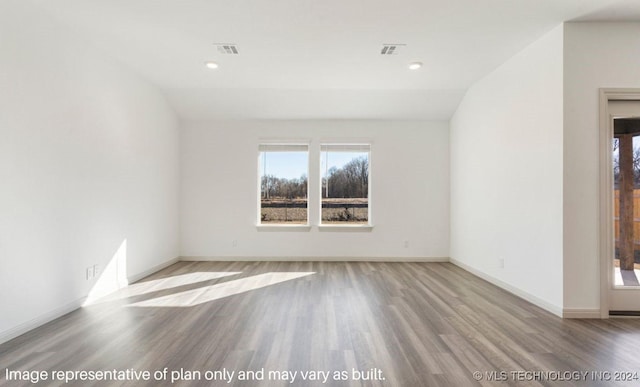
421	324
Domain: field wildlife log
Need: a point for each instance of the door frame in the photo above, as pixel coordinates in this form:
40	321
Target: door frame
606	193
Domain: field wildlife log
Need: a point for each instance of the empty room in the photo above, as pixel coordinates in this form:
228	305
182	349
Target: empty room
339	193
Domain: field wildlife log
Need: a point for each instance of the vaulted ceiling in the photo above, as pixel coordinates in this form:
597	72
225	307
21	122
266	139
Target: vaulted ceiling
310	59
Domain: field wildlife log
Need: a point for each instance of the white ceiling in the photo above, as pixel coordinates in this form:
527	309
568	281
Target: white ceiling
625	10
318	59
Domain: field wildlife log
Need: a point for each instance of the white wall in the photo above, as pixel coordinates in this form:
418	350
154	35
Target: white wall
506	174
88	159
596	55
410	190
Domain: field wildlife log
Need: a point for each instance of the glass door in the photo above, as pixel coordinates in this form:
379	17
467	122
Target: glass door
624	270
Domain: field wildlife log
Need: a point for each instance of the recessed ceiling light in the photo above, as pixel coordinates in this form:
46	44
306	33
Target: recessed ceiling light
415	65
211	65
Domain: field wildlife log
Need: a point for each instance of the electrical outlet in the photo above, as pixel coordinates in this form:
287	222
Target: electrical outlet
234	243
406	243
501	263
96	270
89	273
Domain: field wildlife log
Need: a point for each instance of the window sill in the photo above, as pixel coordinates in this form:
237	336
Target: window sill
284	227
346	228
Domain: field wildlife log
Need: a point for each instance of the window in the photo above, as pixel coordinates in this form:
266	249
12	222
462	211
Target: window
283	184
345	184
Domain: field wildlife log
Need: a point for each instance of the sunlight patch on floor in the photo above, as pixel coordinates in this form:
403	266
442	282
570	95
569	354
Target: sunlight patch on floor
214	292
141	288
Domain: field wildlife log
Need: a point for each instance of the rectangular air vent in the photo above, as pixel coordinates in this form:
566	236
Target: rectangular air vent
227	48
391	48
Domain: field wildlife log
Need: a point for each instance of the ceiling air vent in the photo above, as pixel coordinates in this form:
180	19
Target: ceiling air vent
391	49
227	48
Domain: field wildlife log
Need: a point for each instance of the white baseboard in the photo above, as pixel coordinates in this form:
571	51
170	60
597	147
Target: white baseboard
70	307
137	277
314	259
40	320
581	313
511	289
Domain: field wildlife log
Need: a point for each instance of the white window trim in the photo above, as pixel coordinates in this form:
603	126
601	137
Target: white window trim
346	227
281	226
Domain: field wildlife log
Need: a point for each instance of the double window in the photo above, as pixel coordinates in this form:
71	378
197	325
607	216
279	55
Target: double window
343	184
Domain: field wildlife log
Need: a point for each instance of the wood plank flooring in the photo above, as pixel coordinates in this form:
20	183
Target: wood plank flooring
419	324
